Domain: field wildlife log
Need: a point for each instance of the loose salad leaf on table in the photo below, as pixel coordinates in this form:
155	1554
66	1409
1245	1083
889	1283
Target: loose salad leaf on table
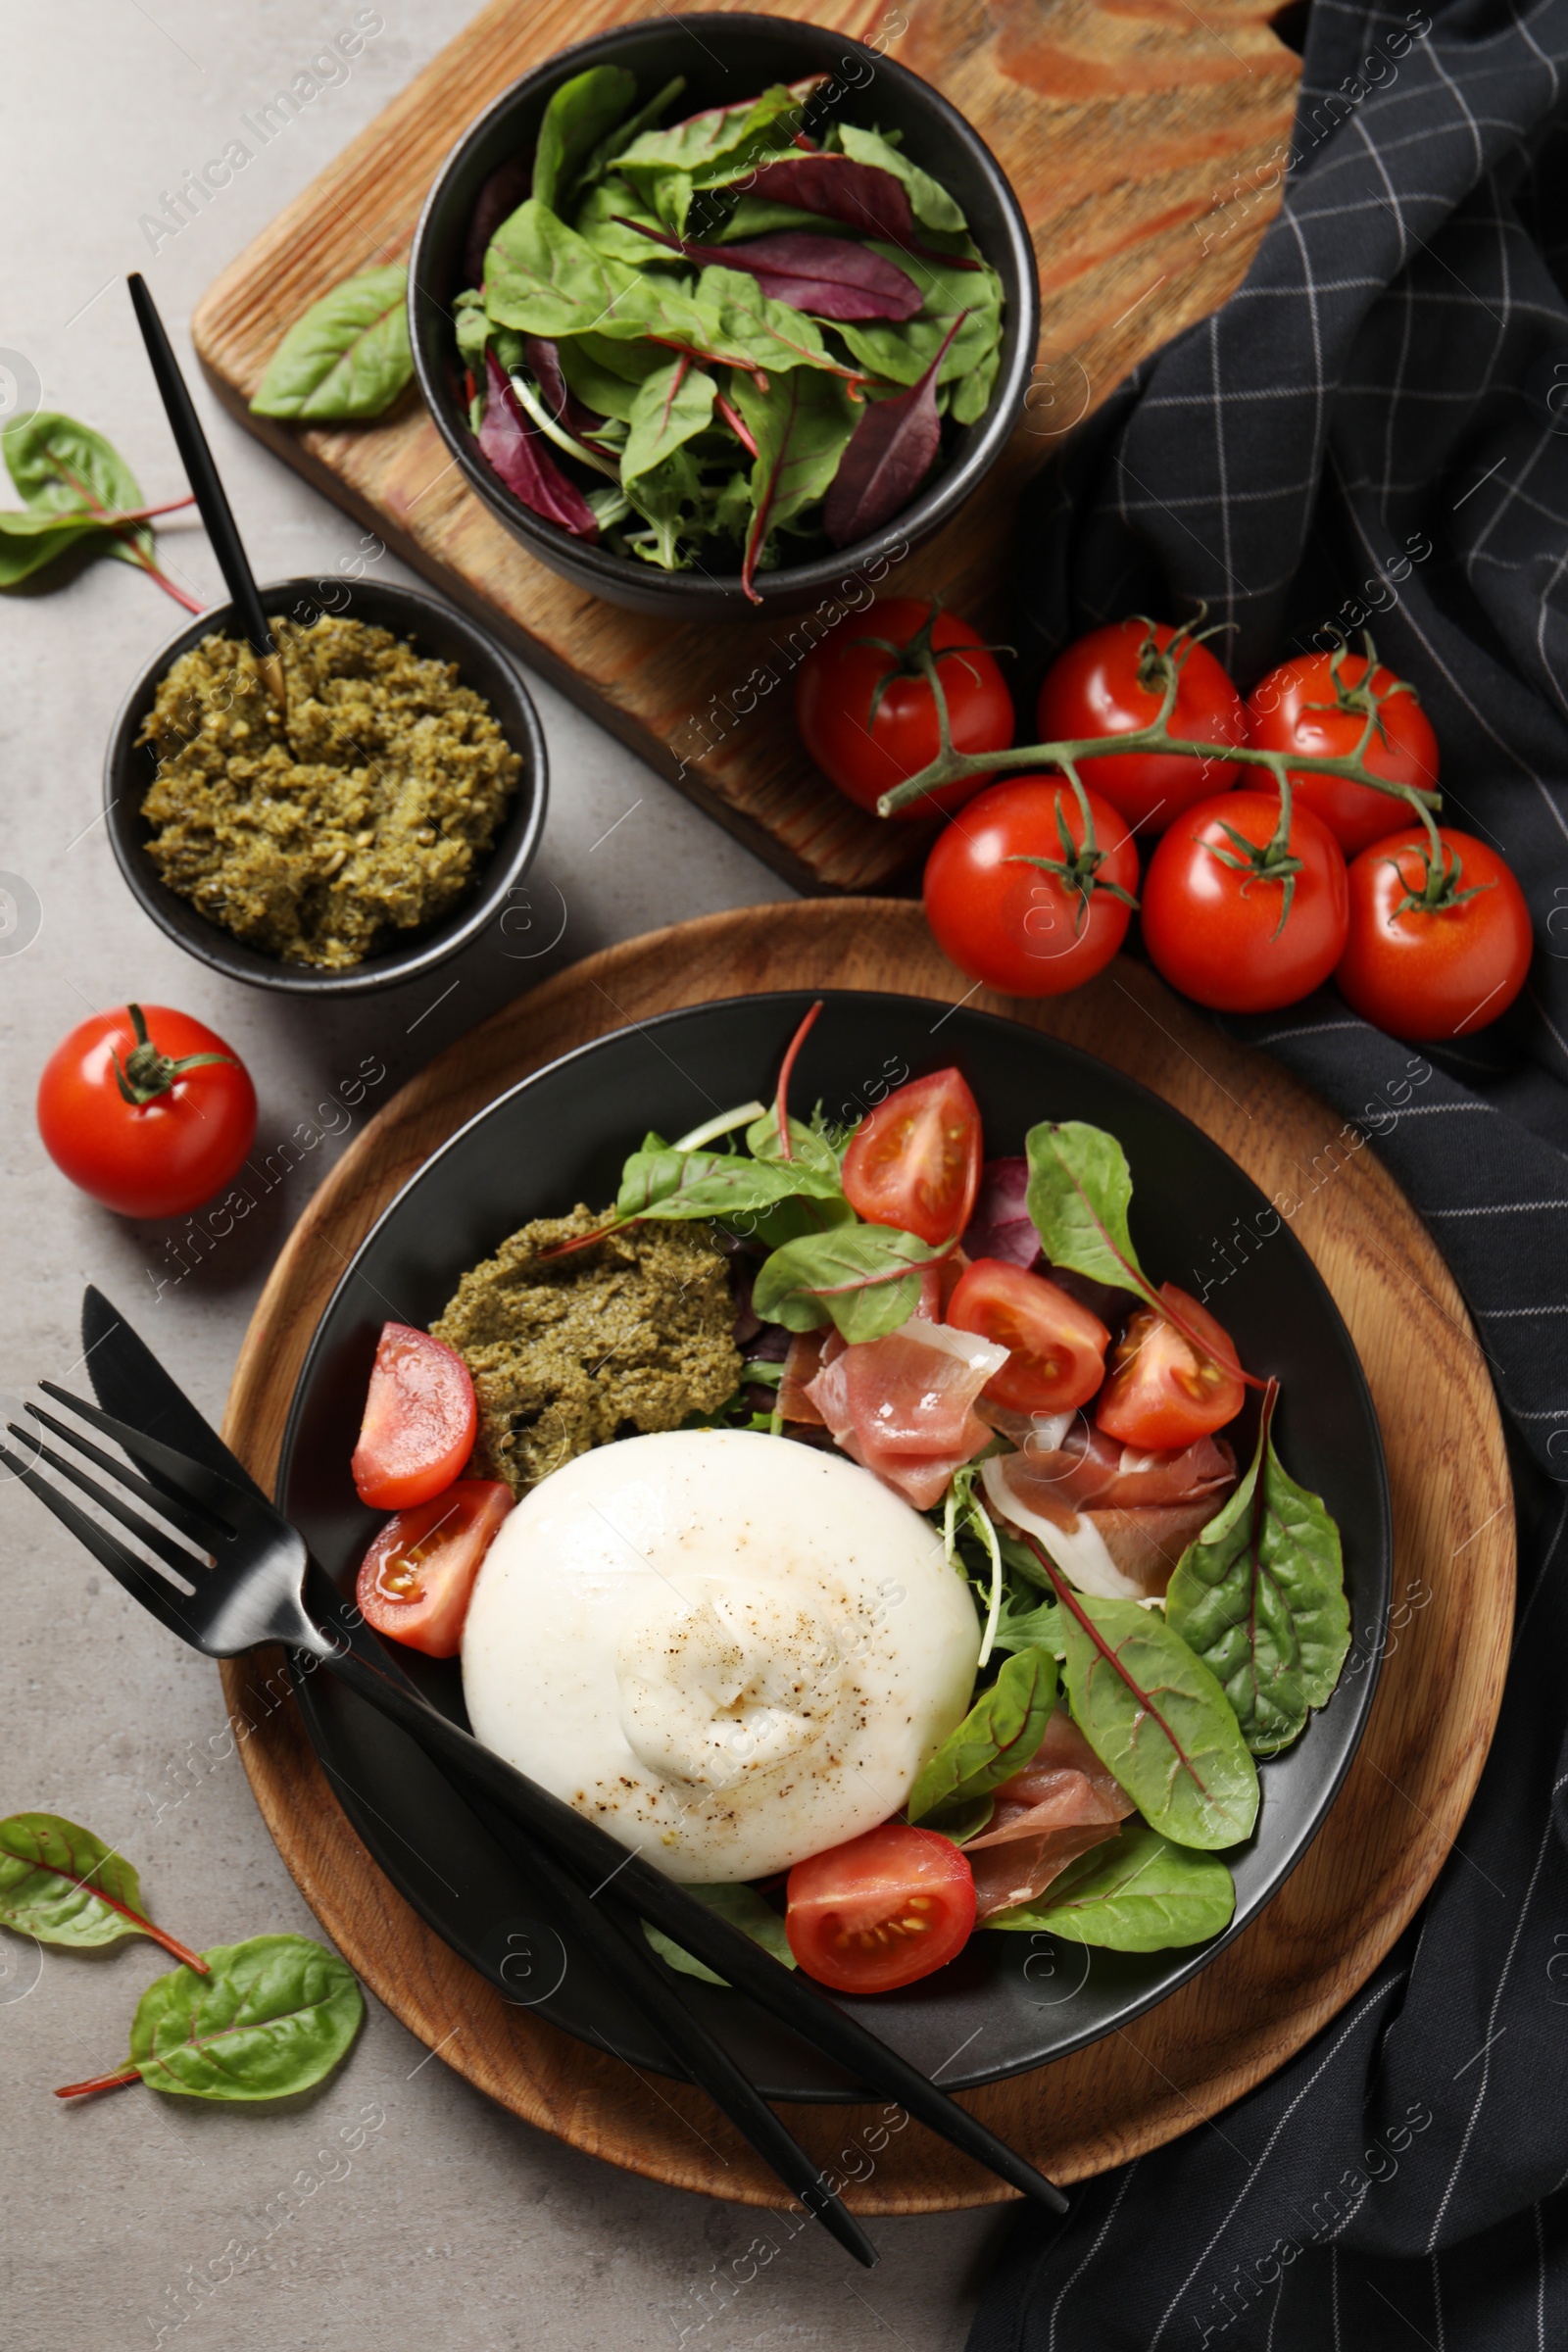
764	317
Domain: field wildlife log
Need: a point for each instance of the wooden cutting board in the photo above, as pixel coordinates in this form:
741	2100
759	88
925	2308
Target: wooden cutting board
1445	1651
1145	139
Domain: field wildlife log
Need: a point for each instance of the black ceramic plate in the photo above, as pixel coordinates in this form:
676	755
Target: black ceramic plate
1010	2002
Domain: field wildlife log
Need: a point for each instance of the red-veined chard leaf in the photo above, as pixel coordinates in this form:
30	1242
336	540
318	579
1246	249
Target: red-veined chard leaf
709	149
273	2016
506	189
1137	1893
1080	1189
863	1278
1259	1596
802	426
1157	1718
62	1884
867	199
900	351
828	275
60	467
893	449
996	1738
348	357
581	114
671	407
929	199
543	360
521	456
28	542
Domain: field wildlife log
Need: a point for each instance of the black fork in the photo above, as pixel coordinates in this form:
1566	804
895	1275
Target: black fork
236	1581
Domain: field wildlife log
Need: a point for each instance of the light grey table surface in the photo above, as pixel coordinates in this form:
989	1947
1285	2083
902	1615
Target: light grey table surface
135	2219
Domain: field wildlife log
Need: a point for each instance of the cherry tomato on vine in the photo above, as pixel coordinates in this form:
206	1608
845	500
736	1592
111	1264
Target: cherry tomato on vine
149	1111
1237	921
1320	703
880	1910
1113	682
1056	1348
419	1420
914	1160
1015	899
867	712
1163	1392
417	1578
1434	953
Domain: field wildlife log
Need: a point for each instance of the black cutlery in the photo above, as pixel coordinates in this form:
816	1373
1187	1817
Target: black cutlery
252	1596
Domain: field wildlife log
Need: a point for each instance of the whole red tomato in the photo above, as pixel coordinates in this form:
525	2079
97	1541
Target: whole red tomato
1113	682
1001	906
1231	924
149	1111
867	712
1434	955
1320	703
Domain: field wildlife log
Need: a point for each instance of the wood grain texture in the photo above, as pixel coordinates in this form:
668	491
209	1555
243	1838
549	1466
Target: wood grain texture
1430	1722
1144	139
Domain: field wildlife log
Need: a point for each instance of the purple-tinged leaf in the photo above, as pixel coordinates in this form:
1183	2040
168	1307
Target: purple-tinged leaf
859	194
521	456
894	448
544	360
1001	1226
499	198
826	275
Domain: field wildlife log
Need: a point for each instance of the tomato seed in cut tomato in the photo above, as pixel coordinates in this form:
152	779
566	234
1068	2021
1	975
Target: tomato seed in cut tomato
419	1420
881	1910
915	1162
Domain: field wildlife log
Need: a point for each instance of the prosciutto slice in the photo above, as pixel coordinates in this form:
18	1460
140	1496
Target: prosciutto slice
904	1405
1064	1803
1114	1521
800	1367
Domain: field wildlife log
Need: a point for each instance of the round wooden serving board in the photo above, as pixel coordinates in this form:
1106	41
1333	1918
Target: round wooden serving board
1443	1669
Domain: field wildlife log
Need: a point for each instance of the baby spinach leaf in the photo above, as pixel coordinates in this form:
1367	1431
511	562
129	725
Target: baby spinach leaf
1080	1188
61	467
582	113
347	356
745	1909
1157	1718
758	329
929	199
671	406
275	2015
62	1884
802	426
1259	1596
544	279
603	218
854	1276
674	1184
1137	1893
624	133
996	1738
608	376
713	147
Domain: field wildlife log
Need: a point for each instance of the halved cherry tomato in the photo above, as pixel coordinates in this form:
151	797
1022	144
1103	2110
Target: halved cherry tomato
419	1420
1320	703
914	1160
881	1910
867	712
1111	683
1160	1390
1426	958
417	1578
1056	1348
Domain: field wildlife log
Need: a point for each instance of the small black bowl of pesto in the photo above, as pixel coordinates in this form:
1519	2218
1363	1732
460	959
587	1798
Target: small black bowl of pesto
357	839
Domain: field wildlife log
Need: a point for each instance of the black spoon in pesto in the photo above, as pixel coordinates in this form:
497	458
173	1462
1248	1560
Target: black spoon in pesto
212	499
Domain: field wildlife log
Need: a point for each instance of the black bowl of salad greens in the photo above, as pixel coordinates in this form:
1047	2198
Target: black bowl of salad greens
714	308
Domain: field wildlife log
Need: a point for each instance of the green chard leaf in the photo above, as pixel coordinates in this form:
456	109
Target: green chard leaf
607	377
645	119
708	150
745	1909
275	2016
772	335
28	542
673	404
996	1738
1137	1893
60	465
1157	1718
900	351
929	199
348	357
601	219
801	426
809	1146
62	1884
581	116
544	279
1080	1188
672	1184
852	1276
1259	1596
